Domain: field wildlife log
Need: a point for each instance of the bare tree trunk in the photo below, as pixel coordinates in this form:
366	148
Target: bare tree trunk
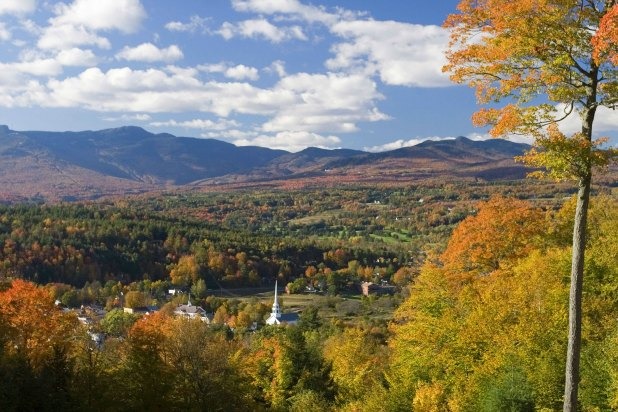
575	297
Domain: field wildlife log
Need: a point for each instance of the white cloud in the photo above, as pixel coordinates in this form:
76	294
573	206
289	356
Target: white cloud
77	57
401	143
261	28
292	141
213	68
5	33
17	86
220	124
31	27
605	120
39	67
238	72
294	8
155	91
77	23
398	144
231	134
123	15
17	6
401	54
517	138
35	63
140	117
187	72
277	67
242	72
326	102
307	103
65	36
148	52
195	23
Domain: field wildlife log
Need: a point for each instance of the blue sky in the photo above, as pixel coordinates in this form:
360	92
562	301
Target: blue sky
284	74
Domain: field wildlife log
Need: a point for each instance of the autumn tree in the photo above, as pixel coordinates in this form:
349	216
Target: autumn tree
606	39
206	376
539	57
185	272
503	229
494	339
145	378
356	363
282	364
36	341
136	299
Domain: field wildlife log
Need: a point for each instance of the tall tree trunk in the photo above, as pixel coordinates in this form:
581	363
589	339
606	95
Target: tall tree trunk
571	376
575	296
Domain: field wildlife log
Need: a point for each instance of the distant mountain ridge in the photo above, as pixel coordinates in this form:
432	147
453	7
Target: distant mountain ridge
135	154
89	164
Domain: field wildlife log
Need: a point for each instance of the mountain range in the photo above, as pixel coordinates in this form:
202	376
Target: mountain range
38	165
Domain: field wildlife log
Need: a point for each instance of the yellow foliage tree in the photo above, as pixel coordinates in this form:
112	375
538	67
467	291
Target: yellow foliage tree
186	271
496	341
356	363
563	52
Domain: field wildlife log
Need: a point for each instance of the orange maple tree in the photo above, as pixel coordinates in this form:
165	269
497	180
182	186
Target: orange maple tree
503	229
606	38
33	326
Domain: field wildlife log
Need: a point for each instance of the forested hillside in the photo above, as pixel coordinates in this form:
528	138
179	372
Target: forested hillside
151	272
240	238
481	327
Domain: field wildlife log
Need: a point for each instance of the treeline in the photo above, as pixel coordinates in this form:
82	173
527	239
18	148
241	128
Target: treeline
79	244
238	239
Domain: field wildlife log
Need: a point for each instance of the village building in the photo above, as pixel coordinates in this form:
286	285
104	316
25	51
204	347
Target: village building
370	288
190	311
140	310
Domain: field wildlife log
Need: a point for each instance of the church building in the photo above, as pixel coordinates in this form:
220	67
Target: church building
278	318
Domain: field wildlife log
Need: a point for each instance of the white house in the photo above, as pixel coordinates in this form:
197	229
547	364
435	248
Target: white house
193	312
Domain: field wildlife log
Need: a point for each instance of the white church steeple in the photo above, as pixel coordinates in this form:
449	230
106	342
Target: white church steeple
275	313
276	310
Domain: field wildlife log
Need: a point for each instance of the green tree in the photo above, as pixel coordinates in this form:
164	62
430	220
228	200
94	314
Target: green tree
518	51
297	286
281	365
199	289
70	298
117	322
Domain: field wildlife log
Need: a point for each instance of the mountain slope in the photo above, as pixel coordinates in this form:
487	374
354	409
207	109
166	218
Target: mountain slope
89	164
135	154
459	158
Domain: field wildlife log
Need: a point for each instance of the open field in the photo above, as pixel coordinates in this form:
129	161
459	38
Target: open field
346	307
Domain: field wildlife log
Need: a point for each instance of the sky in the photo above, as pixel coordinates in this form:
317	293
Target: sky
283	74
